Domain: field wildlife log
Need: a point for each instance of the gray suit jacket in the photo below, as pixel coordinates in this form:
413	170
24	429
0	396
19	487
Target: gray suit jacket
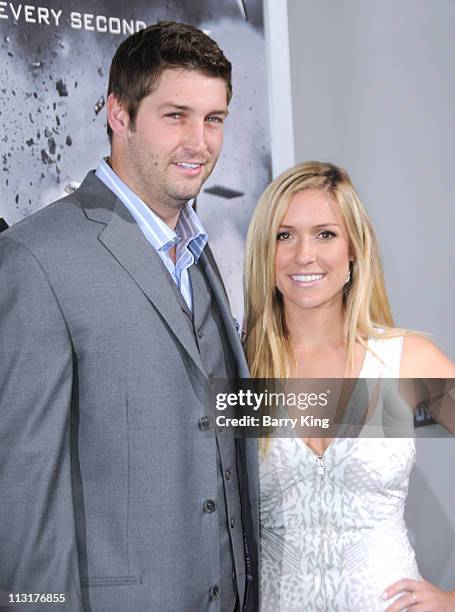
103	468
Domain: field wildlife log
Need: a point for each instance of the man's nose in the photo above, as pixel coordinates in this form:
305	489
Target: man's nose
194	136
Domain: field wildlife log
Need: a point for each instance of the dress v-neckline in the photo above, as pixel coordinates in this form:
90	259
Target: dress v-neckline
306	446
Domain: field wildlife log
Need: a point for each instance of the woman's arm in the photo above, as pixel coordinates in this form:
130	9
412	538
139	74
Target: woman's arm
421	358
424	372
427	375
419	596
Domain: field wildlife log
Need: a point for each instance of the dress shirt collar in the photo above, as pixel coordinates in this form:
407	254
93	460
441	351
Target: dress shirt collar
189	231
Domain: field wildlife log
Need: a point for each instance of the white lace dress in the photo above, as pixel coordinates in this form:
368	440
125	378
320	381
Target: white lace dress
333	536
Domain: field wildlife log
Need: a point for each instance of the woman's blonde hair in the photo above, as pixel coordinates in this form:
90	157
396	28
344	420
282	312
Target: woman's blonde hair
268	346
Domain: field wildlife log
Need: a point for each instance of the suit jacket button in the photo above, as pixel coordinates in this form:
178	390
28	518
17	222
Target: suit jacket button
215	592
205	423
228	474
209	505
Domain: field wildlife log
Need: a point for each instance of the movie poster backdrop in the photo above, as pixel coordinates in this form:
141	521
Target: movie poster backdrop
53	80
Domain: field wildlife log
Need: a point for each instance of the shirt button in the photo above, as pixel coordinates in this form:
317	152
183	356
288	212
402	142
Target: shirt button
209	505
200	334
215	592
232	523
211	379
205	423
228	475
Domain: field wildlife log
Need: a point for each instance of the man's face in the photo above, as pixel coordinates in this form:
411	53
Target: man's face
176	140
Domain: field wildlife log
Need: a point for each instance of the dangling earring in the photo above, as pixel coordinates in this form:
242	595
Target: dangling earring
348	280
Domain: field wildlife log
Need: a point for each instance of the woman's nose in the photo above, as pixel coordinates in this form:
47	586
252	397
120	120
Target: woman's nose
305	253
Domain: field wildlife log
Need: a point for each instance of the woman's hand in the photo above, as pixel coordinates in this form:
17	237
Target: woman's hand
420	596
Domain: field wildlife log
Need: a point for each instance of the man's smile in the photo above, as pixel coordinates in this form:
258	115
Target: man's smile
190	168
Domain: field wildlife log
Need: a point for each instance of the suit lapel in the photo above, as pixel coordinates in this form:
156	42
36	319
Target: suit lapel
213	276
126	243
124	240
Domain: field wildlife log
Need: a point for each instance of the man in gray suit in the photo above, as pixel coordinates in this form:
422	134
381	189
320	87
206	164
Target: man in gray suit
118	493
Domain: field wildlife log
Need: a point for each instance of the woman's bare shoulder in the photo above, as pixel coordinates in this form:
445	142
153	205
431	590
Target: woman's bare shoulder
421	358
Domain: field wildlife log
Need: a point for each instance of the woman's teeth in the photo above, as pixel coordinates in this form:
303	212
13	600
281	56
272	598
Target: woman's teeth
307	278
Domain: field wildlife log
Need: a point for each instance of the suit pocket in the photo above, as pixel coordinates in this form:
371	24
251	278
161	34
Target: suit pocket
111	581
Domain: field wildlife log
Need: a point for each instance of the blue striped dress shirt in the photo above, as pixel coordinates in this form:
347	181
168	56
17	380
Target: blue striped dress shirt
189	236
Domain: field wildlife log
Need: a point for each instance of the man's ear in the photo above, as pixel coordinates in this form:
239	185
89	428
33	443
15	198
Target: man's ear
117	116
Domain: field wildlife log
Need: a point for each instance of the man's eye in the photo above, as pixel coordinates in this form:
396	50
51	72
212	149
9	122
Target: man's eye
174	115
327	235
215	120
283	236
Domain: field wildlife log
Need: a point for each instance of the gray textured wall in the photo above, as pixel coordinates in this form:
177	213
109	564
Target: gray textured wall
373	89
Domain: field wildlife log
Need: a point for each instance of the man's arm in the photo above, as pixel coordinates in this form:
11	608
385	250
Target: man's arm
38	549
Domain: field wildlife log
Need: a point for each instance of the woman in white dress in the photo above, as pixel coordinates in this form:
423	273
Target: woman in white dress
333	535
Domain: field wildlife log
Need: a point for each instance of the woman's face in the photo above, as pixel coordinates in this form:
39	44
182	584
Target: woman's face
312	254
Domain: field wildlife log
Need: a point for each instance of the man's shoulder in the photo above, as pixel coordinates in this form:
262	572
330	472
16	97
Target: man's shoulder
43	220
58	222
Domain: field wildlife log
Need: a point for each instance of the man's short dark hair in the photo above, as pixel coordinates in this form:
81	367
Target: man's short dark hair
142	57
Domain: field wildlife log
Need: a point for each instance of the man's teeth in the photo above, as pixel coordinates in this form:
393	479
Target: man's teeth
188	165
306	278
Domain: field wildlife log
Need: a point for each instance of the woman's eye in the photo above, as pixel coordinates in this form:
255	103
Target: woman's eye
282	236
327	235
